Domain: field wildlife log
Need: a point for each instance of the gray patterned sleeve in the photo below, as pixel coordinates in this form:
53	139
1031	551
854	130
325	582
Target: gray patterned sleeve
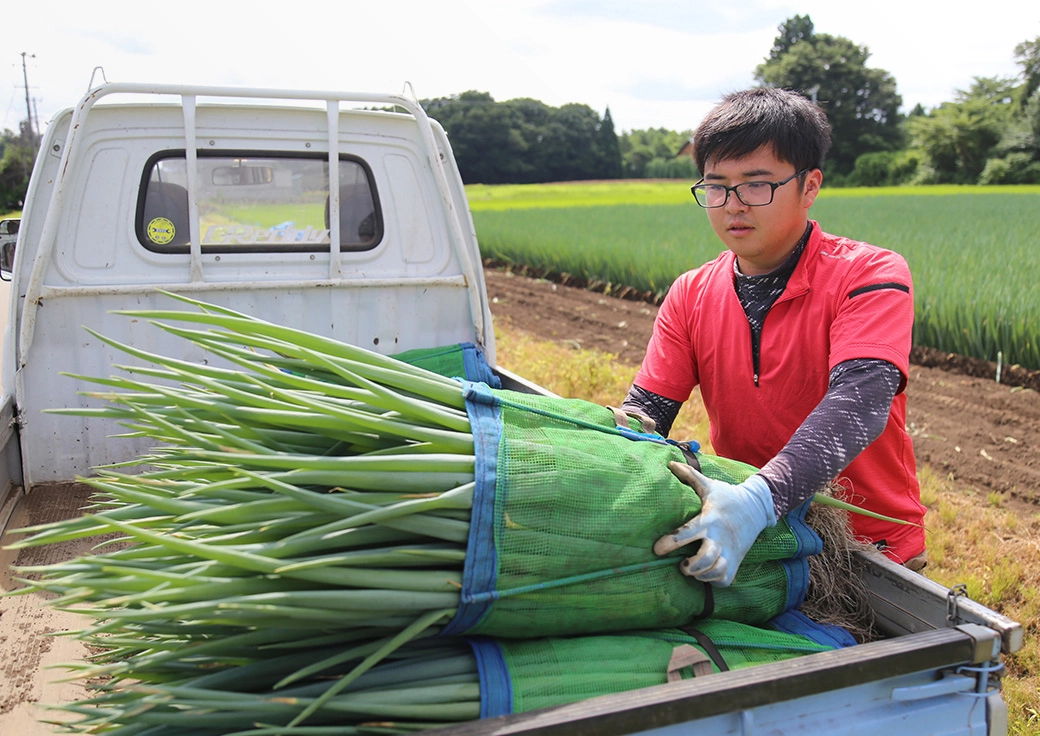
851	415
662	410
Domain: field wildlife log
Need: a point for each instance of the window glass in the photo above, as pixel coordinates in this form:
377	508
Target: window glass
257	203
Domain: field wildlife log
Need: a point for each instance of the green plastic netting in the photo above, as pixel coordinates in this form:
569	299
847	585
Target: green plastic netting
463	360
565	517
524	675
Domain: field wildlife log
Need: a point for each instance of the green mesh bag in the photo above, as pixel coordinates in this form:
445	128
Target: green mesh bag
524	675
463	360
565	515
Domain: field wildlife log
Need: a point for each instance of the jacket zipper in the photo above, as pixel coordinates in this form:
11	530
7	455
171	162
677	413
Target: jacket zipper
756	342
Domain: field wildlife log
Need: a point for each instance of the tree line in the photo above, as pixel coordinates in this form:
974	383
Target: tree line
17	154
526	141
988	134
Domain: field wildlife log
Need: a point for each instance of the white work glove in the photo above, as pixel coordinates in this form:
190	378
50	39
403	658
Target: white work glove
731	518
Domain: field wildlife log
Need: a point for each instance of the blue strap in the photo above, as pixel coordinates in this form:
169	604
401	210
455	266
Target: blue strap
797	571
496	687
477	367
796	622
809	542
480	571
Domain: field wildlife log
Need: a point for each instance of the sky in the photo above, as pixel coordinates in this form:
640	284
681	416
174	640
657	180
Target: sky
654	63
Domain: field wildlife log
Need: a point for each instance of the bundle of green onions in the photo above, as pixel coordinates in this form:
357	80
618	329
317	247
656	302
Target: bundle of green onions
322	494
243	685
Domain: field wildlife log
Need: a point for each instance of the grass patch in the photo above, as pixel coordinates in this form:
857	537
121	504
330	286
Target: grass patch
992	549
268	214
499	197
592	375
973	538
644	246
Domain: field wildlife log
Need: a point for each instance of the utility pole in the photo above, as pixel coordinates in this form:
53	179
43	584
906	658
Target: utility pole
28	105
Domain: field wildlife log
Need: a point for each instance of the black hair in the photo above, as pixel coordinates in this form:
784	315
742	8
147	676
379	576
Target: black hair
794	126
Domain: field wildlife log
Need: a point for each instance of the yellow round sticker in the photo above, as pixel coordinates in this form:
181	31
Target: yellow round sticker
161	231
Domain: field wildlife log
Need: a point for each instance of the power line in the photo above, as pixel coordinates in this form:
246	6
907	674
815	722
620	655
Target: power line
28	106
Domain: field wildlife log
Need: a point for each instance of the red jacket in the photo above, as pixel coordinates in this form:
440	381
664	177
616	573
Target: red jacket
845	300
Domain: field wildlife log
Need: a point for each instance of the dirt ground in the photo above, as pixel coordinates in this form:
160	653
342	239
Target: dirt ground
982	434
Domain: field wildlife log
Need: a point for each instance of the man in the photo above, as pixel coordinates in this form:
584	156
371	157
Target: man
799	341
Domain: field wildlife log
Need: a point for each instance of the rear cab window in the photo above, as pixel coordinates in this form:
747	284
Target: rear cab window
250	202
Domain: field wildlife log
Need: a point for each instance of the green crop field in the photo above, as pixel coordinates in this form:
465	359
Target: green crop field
973	251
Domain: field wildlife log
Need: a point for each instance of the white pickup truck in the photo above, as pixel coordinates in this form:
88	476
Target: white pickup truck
224	194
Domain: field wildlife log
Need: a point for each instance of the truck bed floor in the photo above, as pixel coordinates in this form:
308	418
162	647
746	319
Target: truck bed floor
29	648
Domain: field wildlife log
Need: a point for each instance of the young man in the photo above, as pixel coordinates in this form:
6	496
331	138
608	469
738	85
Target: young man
799	341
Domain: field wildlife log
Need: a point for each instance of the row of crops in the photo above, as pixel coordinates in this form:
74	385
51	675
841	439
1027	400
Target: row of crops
973	251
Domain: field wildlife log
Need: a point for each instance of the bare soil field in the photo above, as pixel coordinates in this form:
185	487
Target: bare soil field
981	434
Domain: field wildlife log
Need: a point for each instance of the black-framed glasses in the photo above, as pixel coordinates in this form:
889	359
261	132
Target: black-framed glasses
750	193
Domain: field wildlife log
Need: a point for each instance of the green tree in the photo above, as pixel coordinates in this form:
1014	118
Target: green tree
1031	118
525	141
530	118
792	30
1015	168
1023	135
885	168
609	149
488	145
861	102
1027	55
16	163
959	137
571	142
648	152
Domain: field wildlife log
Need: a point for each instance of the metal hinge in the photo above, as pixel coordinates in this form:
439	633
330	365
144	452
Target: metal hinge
960	590
948	684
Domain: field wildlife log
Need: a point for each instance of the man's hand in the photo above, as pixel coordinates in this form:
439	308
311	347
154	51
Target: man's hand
622	415
730	519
